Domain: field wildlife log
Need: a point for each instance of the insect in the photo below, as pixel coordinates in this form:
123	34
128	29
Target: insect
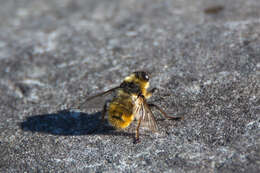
130	102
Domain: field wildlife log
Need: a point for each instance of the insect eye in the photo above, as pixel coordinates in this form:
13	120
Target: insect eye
145	76
142	75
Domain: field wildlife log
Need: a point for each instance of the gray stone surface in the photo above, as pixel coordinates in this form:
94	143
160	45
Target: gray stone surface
204	60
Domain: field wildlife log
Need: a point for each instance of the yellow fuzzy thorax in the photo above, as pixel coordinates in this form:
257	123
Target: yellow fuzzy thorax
142	84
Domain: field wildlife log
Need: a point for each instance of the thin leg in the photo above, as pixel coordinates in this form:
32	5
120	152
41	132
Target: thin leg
164	114
103	114
153	90
149	93
137	131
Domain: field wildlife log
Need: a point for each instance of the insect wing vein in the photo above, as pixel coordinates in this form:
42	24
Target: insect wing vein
149	118
143	111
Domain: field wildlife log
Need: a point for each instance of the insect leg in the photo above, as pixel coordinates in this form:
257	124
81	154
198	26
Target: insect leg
154	90
136	140
104	111
103	114
149	93
137	131
164	114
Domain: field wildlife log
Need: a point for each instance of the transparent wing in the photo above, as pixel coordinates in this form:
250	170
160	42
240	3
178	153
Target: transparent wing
149	118
143	111
97	100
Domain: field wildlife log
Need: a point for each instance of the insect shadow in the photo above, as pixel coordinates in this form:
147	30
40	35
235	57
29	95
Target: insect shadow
70	123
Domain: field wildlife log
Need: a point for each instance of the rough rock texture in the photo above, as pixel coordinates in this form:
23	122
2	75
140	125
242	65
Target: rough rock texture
205	60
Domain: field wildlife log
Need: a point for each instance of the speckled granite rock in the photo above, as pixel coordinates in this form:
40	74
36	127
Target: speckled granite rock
204	57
